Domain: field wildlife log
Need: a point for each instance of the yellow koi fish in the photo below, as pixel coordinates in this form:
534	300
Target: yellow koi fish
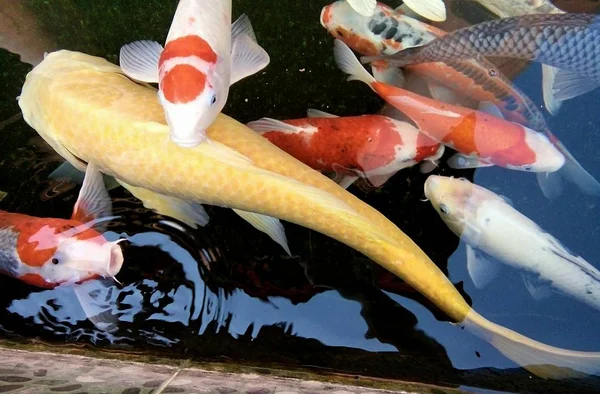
90	112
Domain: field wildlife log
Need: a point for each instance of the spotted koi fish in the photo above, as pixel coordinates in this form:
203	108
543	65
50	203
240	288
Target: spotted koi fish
203	55
368	146
390	31
482	138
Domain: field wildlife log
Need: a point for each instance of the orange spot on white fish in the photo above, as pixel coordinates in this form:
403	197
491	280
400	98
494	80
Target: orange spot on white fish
182	84
188	46
356	42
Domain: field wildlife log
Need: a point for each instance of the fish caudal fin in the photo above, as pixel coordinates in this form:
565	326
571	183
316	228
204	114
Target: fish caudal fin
363	7
139	60
188	212
95	308
542	360
548	76
551	183
247	58
434	10
242	25
349	64
568	85
268	225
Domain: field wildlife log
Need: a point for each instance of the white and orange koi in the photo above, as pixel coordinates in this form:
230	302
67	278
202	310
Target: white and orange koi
481	138
204	55
367	146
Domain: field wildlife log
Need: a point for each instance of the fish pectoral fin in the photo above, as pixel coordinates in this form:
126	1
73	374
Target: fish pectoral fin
539	289
568	85
434	10
93	201
480	267
139	60
389	75
97	310
317	113
380	179
427	166
550	184
265	125
363	7
490	108
344	177
68	172
188	212
548	77
247	58
242	25
442	93
268	225
460	161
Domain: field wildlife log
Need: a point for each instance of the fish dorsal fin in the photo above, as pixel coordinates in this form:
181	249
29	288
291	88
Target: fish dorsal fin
480	267
490	108
363	7
93	201
434	10
242	25
265	125
568	84
317	113
139	60
268	225
538	289
247	58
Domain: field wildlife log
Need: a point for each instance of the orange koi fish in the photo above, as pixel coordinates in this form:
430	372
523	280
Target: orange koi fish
481	138
368	146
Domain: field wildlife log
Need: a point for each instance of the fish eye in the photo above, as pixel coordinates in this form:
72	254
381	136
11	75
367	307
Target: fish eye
527	168
213	99
444	209
55	261
493	73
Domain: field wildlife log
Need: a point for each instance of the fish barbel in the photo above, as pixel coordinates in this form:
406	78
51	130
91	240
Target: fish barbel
570	42
87	110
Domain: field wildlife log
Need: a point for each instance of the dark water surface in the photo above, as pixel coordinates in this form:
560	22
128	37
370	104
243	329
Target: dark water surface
227	292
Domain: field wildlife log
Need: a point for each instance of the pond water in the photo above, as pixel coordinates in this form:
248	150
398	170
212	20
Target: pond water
225	291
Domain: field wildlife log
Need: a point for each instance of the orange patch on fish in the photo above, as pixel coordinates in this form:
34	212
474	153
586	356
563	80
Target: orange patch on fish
188	46
356	42
182	84
362	142
426	147
37	280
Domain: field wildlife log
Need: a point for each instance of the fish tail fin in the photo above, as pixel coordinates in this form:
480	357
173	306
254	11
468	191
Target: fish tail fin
349	64
551	183
545	361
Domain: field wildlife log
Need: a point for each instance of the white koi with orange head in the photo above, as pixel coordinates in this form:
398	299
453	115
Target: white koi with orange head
204	54
47	252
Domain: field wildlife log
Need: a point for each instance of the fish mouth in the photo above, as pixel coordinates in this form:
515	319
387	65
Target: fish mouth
116	259
432	183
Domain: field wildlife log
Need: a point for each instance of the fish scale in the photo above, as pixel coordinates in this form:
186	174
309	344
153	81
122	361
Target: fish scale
572	43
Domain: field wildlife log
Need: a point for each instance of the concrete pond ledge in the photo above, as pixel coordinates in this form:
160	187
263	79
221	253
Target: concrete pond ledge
24	371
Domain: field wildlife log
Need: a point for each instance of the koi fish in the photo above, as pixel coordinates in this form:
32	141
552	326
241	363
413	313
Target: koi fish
482	139
51	252
368	146
240	169
203	55
569	42
491	227
389	31
434	10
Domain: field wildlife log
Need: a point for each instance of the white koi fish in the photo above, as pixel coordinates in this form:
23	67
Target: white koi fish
203	55
492	227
